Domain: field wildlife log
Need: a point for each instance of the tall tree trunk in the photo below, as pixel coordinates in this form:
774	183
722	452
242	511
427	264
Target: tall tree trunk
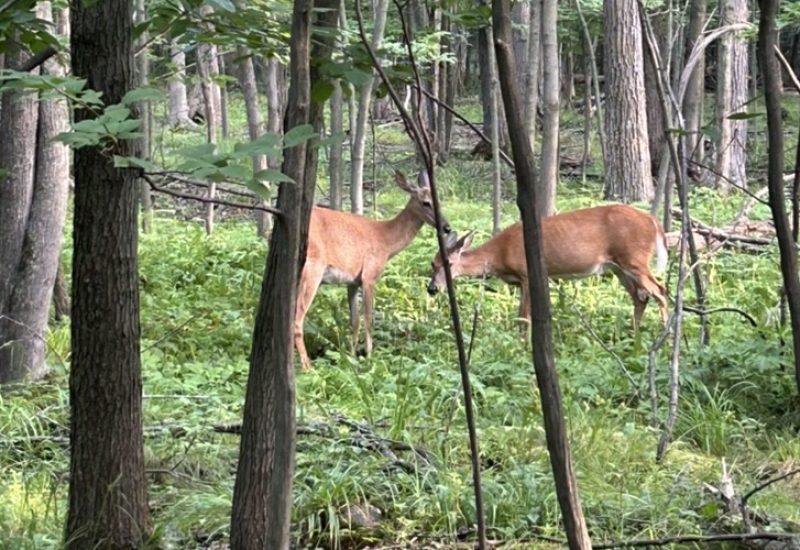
219	61
247	82
772	92
143	79
206	55
30	279
107	495
520	31
359	132
484	61
695	90
262	492
335	155
567	76
178	101
548	175
656	126
542	337
732	80
627	155
532	78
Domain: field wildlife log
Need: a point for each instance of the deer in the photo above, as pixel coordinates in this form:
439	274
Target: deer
575	244
353	250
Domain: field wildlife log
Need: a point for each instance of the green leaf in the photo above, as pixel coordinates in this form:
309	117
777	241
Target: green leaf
298	135
333	138
135	162
272	175
321	91
745	116
358	77
259	188
145	93
222	5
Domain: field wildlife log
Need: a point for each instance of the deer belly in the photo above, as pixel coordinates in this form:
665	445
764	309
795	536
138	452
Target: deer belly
584	271
333	276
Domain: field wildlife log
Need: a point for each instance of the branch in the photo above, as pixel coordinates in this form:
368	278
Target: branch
767	483
704	312
208	200
37	59
696	538
462	118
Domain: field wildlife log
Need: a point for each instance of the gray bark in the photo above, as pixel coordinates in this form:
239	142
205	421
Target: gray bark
693	99
24	311
532	79
548	175
178	100
656	126
732	78
521	17
360	130
627	155
143	70
335	161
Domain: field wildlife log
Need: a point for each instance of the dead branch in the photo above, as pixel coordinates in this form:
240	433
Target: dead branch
207	200
767	483
741	537
741	312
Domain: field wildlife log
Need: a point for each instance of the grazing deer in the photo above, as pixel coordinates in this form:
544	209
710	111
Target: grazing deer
345	248
575	244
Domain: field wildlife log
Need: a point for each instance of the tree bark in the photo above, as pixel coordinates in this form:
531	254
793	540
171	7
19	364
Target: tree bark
520	31
532	79
247	82
485	69
206	55
24	310
695	90
546	377
656	125
732	83
772	92
178	101
262	492
107	495
627	155
143	79
335	160
548	175
360	129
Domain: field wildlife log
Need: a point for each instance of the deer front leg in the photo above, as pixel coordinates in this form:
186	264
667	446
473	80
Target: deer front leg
310	279
524	310
352	299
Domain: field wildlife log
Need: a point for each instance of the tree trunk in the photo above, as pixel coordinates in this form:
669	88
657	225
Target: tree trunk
520	31
627	156
211	98
360	129
542	338
62	305
695	90
247	82
772	92
218	65
178	101
656	126
143	79
532	71
25	306
567	77
548	175
107	494
732	80
486	92
262	492
335	160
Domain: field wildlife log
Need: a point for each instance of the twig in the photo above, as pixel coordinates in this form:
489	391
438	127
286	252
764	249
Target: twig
173	176
208	200
696	538
37	60
767	483
461	117
741	312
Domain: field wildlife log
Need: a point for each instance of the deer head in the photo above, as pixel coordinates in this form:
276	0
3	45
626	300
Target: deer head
421	202
455	247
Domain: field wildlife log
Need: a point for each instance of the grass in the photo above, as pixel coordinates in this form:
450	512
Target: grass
198	295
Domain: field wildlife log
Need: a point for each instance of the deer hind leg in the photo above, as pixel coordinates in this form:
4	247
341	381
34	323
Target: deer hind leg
369	304
352	299
310	279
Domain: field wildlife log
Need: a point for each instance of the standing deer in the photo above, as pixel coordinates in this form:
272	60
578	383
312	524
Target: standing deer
345	248
576	244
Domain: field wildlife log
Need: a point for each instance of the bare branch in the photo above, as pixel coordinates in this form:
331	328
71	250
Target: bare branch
696	538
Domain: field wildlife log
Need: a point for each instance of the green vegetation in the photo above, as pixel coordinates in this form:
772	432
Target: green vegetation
198	295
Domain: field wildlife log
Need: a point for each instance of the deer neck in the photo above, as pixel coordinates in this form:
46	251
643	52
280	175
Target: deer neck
400	230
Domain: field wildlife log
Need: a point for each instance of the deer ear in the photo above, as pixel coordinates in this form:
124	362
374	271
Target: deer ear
423	180
464	242
456	245
450	240
402	182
